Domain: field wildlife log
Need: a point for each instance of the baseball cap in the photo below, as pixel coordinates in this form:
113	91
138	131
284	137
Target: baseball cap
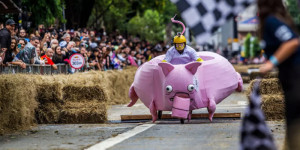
10	22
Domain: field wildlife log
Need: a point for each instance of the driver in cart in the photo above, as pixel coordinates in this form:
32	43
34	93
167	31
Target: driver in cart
180	53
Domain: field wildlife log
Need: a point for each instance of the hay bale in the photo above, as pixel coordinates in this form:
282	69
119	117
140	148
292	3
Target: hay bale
80	92
246	79
243	69
121	81
49	92
270	86
254	75
84	78
267	86
17	102
84	112
273	106
48	113
115	83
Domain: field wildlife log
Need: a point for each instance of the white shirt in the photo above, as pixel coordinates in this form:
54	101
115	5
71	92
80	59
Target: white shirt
174	57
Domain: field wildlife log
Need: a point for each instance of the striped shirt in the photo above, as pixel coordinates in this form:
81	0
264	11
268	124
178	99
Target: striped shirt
174	57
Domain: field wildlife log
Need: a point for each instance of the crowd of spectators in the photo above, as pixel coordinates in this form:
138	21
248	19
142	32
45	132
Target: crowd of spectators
102	51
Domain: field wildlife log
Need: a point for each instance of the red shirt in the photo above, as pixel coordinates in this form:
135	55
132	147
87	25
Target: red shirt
49	60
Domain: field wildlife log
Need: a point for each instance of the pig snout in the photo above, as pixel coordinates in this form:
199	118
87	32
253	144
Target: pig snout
181	106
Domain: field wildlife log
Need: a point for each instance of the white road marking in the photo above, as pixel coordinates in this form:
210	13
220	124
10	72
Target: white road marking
119	138
242	103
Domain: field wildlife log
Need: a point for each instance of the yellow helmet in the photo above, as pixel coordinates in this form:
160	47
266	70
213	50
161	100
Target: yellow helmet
179	39
179	42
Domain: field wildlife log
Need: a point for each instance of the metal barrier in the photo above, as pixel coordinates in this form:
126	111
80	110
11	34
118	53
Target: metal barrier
35	69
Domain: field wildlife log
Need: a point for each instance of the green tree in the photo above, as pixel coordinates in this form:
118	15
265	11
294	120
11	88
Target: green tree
44	11
149	27
110	13
293	8
118	14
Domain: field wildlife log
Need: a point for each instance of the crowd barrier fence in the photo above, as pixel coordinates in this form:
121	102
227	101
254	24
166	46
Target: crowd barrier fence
35	69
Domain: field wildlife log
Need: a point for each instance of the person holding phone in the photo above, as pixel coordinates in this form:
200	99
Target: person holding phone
21	44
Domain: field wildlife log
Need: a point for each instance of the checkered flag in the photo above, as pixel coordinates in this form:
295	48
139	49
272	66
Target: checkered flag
255	134
204	17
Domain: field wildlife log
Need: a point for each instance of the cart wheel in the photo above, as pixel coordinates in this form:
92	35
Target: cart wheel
159	114
182	121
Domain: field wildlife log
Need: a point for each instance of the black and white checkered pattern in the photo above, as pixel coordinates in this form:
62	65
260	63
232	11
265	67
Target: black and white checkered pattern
255	134
204	17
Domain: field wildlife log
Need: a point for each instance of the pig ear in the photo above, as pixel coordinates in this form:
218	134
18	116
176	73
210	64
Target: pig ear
193	66
166	68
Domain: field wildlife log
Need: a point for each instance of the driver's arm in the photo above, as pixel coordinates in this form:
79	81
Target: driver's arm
194	56
168	56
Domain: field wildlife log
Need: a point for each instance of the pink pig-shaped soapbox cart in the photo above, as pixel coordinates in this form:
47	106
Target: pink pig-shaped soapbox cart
183	88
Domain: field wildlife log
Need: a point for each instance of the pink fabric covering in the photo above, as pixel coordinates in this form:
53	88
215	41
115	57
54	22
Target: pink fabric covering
204	84
181	107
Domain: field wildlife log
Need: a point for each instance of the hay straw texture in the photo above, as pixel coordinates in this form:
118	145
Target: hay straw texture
17	102
49	92
273	106
48	113
79	92
267	86
272	98
254	75
120	85
77	98
244	68
85	111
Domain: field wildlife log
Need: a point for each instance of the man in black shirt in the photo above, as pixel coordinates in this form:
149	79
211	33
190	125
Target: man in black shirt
5	37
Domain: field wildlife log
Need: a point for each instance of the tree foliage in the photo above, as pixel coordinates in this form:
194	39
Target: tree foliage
44	11
150	27
293	8
133	16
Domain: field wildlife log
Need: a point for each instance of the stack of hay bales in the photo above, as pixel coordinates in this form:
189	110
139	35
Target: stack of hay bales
272	98
84	111
49	96
77	98
83	104
17	102
119	85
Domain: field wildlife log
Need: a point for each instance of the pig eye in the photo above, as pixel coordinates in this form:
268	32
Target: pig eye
169	88
191	87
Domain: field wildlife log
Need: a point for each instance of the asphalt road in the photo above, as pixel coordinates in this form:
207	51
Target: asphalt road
200	134
222	134
61	137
